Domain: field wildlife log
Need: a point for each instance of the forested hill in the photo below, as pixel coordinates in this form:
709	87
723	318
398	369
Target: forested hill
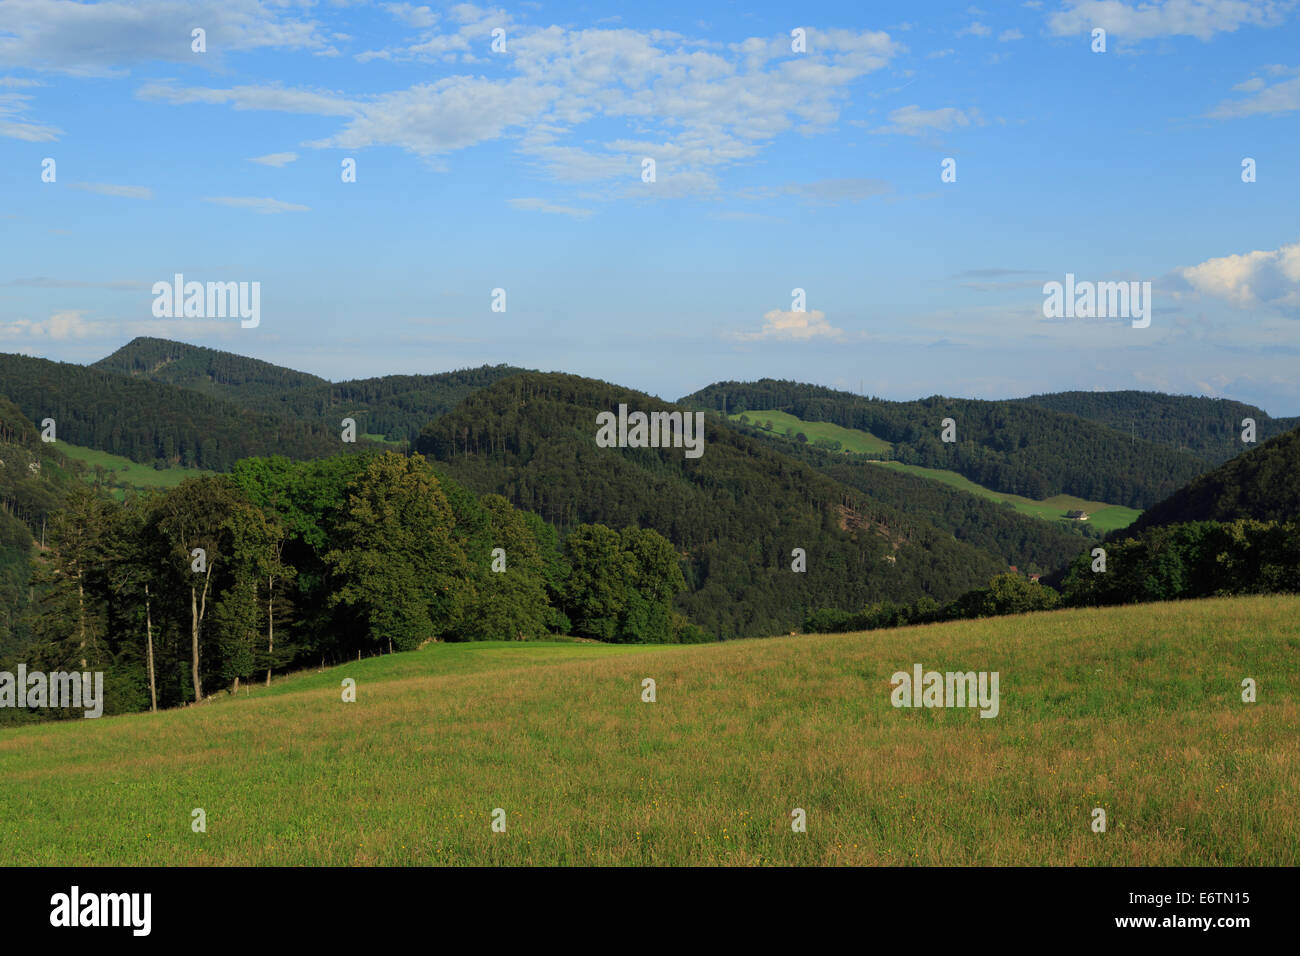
394	406
1209	428
1263	483
1007	446
224	375
734	514
149	422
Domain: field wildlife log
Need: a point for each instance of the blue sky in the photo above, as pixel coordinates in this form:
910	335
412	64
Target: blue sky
775	170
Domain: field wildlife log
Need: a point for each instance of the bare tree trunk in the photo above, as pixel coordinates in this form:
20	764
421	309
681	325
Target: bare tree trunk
197	610
81	617
270	626
148	627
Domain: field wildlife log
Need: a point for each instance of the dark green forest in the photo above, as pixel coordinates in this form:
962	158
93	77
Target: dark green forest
1262	483
1209	428
394	406
1007	446
148	422
734	515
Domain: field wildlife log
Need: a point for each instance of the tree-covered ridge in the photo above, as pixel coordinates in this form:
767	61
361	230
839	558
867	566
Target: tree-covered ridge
1009	447
1029	543
1263	483
1209	428
151	422
734	515
225	375
394	406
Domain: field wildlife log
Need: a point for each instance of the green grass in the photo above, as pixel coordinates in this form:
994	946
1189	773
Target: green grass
1136	710
852	439
125	473
1103	516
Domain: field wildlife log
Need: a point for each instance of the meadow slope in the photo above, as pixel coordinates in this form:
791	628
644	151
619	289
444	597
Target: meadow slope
1137	710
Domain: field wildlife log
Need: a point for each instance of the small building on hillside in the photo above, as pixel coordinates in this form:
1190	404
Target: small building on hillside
1077	515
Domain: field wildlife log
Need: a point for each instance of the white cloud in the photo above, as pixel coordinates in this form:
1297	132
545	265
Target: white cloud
793	326
120	192
541	205
1260	278
60	325
1151	19
975	29
257	205
940	54
275	159
1006	36
412	15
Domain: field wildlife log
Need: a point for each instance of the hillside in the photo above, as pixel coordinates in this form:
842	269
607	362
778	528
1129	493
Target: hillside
395	407
1207	427
1023	540
1135	710
1005	446
734	514
147	421
34	478
1263	483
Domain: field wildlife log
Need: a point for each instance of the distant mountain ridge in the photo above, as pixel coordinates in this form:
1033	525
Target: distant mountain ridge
394	406
1207	427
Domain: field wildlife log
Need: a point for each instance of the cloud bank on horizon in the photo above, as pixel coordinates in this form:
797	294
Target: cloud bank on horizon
667	196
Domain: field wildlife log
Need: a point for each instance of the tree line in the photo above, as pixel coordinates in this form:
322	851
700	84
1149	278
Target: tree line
1196	559
178	594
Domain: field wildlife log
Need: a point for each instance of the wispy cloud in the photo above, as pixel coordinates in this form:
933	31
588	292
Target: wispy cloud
914	121
541	205
111	189
265	206
1282	96
1152	19
275	159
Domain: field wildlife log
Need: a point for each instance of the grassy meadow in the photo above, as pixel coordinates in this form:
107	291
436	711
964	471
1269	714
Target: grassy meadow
852	439
1106	517
123	473
1136	710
